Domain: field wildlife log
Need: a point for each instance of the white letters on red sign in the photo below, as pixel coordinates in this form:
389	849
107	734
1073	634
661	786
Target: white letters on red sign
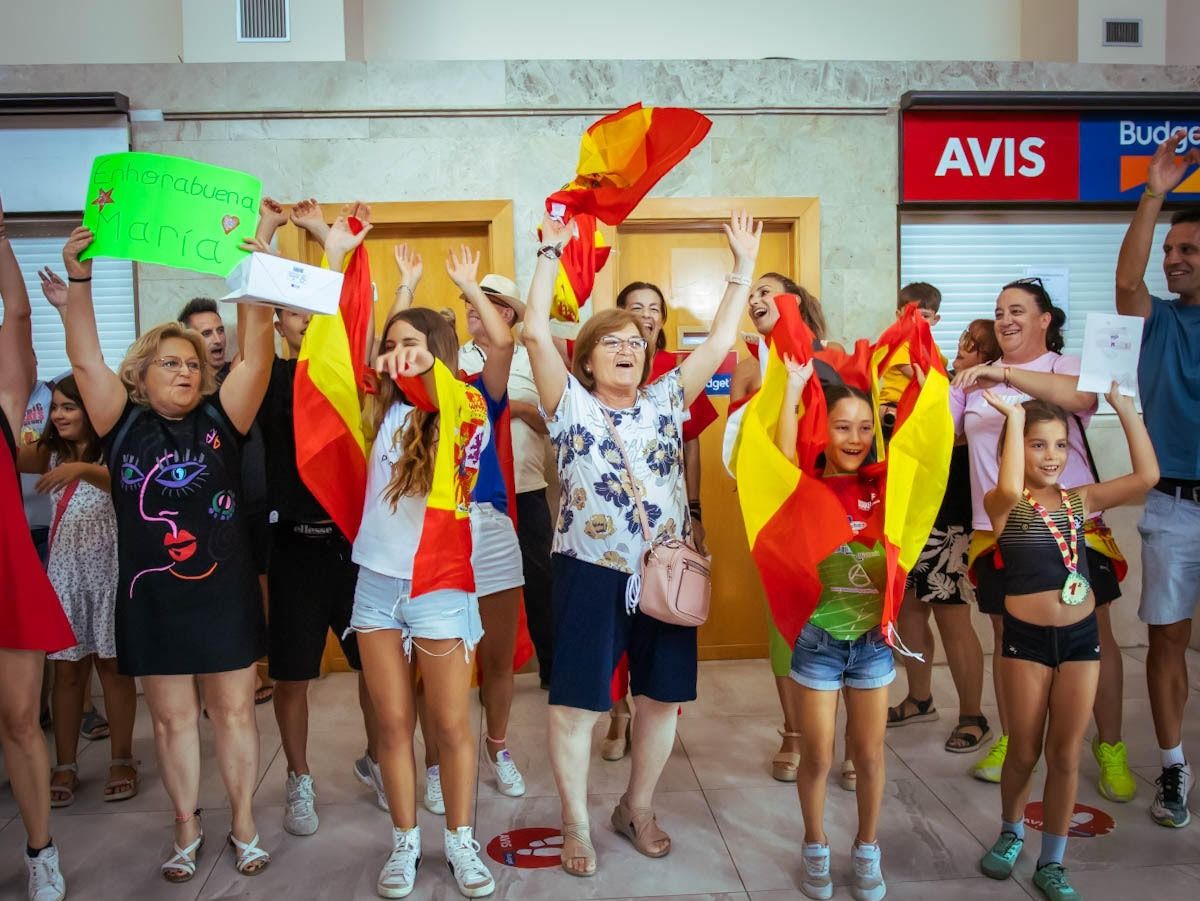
955	157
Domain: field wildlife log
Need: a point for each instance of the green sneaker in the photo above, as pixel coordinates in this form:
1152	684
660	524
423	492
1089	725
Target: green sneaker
1051	880
988	769
998	863
1116	780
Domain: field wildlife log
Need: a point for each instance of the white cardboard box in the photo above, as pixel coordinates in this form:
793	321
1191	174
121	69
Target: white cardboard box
263	278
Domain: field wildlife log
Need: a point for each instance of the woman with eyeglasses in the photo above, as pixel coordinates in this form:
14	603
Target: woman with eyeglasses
619	447
1032	366
188	608
939	585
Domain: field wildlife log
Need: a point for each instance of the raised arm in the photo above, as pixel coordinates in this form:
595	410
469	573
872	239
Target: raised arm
340	240
999	502
1131	488
244	388
1055	387
1167	169
549	368
462	268
306	214
694	372
271	215
411	367
17	366
104	396
411	267
789	411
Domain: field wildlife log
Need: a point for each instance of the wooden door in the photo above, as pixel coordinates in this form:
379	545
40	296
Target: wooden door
679	246
430	228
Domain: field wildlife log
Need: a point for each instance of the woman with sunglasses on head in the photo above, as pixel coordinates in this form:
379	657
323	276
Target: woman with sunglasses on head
939	584
618	443
1032	366
83	570
32	622
188	608
1051	647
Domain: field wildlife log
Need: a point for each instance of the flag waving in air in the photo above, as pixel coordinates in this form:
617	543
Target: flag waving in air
793	519
584	256
331	450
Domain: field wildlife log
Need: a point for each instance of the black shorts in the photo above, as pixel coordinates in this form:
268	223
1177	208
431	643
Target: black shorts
990	586
1051	645
592	631
310	591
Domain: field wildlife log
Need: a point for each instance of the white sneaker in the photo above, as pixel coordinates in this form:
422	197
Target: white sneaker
367	772
46	881
508	777
816	882
434	802
868	882
300	814
399	874
462	856
1170	807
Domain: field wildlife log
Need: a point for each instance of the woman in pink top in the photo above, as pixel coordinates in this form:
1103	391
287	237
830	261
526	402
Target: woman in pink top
1031	365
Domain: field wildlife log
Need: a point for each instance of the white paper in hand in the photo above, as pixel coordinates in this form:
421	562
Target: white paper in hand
1112	345
263	278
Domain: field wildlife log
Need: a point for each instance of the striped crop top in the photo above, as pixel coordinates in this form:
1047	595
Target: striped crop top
1033	561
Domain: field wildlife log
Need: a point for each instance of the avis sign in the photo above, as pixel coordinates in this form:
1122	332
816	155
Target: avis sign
989	157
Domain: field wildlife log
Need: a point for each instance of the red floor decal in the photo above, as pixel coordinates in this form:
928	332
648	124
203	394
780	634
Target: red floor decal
1086	822
527	849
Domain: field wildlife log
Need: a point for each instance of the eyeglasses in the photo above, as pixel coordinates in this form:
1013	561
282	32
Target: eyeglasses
174	364
613	344
1030	280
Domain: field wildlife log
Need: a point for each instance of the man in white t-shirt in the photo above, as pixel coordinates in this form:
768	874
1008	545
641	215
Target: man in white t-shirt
529	437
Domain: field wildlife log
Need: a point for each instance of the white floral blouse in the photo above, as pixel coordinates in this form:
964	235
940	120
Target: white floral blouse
597	519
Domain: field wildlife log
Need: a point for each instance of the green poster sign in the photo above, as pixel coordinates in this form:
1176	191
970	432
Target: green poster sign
171	211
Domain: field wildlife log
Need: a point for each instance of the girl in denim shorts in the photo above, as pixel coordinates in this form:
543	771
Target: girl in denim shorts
1051	642
842	645
416	587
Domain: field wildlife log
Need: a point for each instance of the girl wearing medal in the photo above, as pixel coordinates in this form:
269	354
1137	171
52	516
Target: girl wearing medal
1051	645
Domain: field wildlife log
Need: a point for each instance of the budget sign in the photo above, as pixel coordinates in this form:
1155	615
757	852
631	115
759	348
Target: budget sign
1116	153
171	211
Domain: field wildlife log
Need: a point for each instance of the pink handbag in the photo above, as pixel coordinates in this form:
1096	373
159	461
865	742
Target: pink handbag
674	585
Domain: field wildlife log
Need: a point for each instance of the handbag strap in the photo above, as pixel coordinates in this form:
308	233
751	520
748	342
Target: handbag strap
633	485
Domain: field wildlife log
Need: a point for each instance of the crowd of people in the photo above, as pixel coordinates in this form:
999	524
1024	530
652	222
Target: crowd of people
181	545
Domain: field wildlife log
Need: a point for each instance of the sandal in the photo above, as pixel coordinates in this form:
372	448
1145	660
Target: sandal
963	742
577	845
249	858
786	764
262	694
925	712
64	795
616	748
849	777
126	787
93	726
182	865
639	826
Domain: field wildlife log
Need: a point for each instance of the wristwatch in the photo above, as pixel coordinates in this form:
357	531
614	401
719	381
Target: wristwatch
553	251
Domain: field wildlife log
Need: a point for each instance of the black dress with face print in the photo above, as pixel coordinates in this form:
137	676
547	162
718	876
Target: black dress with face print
187	597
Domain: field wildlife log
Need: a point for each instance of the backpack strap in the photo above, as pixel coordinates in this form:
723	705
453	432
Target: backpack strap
123	431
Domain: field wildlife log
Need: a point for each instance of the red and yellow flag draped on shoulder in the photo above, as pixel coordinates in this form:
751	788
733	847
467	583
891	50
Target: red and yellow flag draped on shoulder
332	369
793	521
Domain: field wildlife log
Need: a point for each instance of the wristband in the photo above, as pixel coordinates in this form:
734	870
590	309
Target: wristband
404	288
1007	376
1150	193
77	281
694	509
734	279
551	251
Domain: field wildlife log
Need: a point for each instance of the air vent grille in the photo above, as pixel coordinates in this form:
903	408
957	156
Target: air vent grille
1122	32
263	20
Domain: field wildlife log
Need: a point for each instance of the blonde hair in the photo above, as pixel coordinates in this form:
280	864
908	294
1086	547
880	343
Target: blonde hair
412	474
604	323
145	350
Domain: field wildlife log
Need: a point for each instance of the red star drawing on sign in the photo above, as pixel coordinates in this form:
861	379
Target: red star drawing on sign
103	198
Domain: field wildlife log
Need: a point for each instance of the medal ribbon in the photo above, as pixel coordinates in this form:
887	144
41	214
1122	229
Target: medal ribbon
1070	553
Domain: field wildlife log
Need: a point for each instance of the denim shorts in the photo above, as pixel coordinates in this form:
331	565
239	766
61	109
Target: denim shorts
383	602
823	663
1170	530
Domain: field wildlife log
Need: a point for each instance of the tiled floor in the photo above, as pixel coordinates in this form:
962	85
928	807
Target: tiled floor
735	830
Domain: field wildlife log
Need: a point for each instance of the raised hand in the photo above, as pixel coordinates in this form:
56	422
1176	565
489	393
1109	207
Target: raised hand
409	262
306	214
53	288
257	245
463	267
77	243
558	233
1012	411
271	215
1122	403
404	361
340	240
798	374
743	234
1167	167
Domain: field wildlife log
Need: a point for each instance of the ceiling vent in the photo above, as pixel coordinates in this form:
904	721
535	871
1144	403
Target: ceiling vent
1122	32
263	20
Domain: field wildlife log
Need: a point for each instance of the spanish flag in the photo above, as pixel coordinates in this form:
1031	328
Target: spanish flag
793	521
584	256
443	558
331	450
623	156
